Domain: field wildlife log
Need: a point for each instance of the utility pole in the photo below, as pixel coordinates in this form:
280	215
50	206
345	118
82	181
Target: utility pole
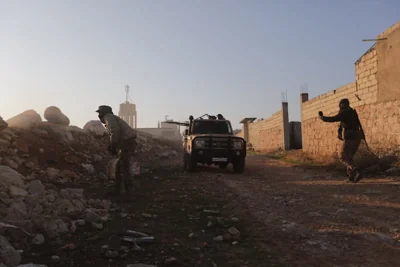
127	93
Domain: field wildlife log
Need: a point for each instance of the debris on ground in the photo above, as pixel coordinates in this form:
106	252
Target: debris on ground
43	167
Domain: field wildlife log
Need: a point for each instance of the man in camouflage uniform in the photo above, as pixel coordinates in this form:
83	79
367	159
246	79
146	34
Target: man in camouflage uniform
122	143
353	134
3	124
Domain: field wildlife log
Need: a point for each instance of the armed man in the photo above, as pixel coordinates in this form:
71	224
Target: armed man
351	136
122	143
3	124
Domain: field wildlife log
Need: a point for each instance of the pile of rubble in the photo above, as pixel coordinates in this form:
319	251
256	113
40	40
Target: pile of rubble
41	166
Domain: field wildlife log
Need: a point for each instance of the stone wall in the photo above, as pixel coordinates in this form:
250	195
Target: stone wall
270	134
379	116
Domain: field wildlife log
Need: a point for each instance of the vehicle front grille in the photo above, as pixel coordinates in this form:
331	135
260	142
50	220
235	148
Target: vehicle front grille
218	143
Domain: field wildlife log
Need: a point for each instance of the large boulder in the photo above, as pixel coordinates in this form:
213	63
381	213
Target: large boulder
26	119
3	124
54	115
95	127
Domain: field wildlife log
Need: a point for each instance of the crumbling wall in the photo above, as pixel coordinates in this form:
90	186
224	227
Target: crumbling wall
380	118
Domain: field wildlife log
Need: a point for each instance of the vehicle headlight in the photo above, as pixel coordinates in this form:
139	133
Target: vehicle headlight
237	144
199	143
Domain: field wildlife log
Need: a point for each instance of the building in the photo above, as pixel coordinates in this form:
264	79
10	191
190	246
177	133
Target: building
164	130
127	112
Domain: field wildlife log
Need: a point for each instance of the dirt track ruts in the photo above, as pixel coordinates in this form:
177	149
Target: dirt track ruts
287	217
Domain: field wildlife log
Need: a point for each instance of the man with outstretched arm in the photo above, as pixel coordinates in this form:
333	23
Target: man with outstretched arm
350	132
122	143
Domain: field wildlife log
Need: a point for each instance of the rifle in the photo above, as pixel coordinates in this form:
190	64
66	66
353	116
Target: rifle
362	130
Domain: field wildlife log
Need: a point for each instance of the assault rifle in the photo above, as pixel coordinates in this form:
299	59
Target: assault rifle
361	129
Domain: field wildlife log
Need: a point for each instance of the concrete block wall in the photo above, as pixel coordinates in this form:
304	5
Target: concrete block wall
270	134
380	118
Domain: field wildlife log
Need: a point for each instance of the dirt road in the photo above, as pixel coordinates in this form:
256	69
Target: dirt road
276	214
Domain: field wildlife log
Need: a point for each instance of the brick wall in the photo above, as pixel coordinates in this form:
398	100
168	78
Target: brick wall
270	134
380	119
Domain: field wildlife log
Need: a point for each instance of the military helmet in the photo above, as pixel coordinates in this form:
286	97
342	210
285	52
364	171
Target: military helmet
104	109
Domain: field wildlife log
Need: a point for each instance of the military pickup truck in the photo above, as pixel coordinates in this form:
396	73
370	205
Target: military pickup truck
210	141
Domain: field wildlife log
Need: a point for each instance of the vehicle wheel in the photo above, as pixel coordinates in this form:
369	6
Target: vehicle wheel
190	164
223	165
238	167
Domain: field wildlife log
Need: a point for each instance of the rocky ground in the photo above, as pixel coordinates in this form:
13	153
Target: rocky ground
54	210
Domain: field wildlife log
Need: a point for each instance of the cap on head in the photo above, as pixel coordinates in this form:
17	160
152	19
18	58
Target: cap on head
344	103
104	109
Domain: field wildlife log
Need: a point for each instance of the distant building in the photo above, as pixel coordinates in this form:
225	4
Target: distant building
164	130
127	112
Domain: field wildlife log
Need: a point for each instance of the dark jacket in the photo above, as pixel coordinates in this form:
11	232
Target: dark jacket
349	121
119	130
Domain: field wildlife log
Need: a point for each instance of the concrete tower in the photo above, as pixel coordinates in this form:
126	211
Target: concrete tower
127	111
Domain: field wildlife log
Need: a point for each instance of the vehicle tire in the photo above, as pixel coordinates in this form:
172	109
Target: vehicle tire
190	164
223	166
238	167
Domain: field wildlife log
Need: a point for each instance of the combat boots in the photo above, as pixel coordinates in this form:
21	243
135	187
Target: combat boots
354	174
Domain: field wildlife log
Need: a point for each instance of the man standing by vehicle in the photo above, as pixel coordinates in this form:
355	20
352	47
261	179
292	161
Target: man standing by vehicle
353	135
122	143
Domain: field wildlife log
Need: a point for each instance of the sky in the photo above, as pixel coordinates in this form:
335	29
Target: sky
180	57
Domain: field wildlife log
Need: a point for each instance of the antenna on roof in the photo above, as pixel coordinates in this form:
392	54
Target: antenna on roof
127	93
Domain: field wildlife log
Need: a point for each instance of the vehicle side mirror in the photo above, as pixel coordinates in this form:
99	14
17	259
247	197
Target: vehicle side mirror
185	132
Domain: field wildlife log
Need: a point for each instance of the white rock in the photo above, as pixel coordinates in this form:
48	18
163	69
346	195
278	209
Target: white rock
219	238
26	119
55	258
54	115
95	127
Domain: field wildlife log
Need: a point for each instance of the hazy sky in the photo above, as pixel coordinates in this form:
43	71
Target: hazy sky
180	57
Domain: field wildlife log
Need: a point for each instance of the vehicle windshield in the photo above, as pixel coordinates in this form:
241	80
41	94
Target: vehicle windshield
211	127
